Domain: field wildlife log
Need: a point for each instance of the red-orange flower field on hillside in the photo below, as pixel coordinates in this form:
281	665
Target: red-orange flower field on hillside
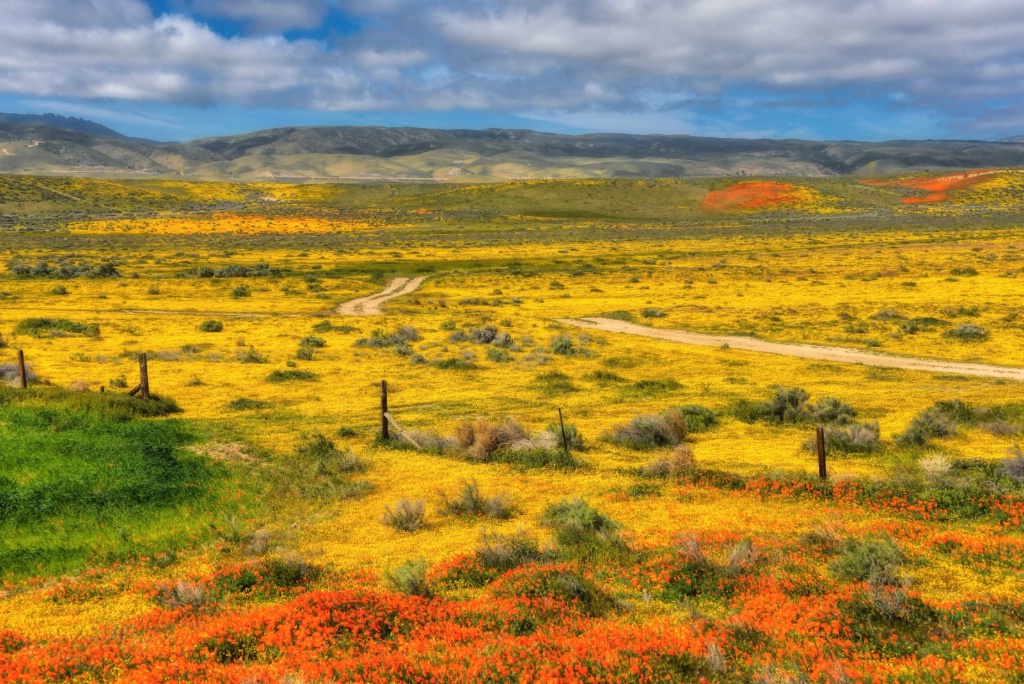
937	187
751	195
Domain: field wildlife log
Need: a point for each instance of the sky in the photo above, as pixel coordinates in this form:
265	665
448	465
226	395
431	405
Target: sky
815	69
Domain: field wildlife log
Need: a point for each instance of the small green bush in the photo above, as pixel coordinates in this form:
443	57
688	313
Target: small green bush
313	341
652	312
59	290
406	516
498	355
241	291
580	528
556	382
291	374
572	435
562	345
967	332
410	578
470	502
651	431
875	560
244	404
855	438
506	552
791	405
924	426
250	355
55	327
211	326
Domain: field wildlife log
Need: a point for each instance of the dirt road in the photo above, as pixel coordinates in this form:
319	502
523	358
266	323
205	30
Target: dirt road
371	305
803	351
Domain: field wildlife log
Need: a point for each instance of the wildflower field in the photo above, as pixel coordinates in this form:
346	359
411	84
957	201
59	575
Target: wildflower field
249	524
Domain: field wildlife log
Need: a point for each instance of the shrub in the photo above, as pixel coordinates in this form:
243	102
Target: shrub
654	387
304	354
241	291
503	340
572	435
406	516
482	439
578	527
324	458
55	327
556	382
1013	464
326	326
505	552
935	467
291	374
605	376
181	595
557	582
742	557
59	290
652	312
498	355
409	578
10	372
619	316
924	426
211	326
562	345
681	460
454	364
484	335
401	337
313	341
448	325
469	501
250	355
651	431
967	332
875	560
856	438
698	418
244	404
791	405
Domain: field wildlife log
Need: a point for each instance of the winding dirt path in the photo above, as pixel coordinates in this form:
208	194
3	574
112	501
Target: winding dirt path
371	304
803	351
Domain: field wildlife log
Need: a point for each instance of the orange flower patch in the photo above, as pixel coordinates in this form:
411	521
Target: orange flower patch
937	187
752	195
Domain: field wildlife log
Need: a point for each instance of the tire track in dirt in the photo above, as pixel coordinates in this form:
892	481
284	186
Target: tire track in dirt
803	351
371	304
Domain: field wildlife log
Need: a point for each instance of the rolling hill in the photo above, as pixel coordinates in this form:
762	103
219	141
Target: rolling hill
52	144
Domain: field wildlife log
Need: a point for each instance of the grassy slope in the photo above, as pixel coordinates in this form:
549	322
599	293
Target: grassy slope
87	477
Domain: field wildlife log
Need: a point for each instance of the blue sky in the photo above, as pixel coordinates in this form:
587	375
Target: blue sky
821	69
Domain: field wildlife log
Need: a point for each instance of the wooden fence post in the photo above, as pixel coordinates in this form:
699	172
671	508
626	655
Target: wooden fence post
384	411
565	442
820	439
143	377
22	373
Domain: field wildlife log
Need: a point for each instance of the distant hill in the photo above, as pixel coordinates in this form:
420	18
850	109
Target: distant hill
69	123
1013	139
377	153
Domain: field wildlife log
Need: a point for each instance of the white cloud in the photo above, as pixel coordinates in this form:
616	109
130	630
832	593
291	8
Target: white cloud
573	56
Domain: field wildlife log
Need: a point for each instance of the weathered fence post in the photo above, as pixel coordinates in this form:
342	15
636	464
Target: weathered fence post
561	424
820	439
143	377
384	411
22	373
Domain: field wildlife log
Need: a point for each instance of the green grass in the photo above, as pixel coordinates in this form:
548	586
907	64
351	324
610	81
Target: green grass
92	478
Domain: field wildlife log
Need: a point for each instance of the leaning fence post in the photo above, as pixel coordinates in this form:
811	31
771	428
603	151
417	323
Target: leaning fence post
820	439
384	411
22	374
143	377
561	424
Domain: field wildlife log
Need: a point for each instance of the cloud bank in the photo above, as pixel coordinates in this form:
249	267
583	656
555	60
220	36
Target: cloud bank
961	62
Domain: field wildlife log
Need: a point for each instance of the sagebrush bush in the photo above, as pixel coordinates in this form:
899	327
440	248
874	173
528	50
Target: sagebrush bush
791	405
562	345
877	560
409	578
681	460
505	552
250	355
578	527
855	438
55	327
1013	464
667	428
470	501
290	374
406	516
572	435
967	332
924	426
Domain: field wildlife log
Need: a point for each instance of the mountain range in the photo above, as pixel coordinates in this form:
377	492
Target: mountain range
51	143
